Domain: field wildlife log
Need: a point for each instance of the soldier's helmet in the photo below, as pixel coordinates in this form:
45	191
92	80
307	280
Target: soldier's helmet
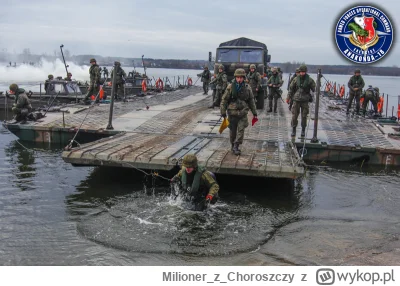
206	67
297	70
189	161
253	66
357	71
221	67
240	72
92	60
117	63
50	76
376	89
13	87
303	68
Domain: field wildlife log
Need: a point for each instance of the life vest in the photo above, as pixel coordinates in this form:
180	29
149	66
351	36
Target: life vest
328	87
190	82
398	111
144	85
159	84
380	104
101	92
341	91
334	89
194	188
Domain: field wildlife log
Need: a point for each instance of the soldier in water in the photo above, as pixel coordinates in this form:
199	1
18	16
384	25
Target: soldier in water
198	184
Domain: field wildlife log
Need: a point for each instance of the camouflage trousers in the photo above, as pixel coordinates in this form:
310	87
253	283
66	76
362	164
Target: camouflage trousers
119	90
20	113
367	99
356	95
297	108
92	90
218	97
273	95
205	86
237	126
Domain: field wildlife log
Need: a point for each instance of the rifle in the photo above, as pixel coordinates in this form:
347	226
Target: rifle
144	67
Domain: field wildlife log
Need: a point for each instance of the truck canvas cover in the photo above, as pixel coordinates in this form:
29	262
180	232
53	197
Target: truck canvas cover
243	42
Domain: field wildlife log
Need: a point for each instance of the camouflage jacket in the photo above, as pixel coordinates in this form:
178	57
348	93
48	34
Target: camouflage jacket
356	81
238	103
300	89
121	75
49	86
254	80
275	80
205	76
370	93
95	75
22	100
205	185
221	81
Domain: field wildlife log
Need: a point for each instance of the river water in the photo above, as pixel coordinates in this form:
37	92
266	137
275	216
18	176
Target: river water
52	213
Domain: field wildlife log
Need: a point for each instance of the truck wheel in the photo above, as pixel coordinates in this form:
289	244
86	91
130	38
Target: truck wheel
260	100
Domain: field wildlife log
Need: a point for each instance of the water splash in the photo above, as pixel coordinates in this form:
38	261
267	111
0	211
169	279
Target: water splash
35	74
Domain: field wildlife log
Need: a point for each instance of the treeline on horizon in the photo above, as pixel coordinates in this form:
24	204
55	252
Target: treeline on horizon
287	67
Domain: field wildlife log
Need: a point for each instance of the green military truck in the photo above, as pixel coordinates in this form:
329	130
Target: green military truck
241	53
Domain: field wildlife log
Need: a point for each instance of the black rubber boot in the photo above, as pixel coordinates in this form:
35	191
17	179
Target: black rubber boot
232	147
303	132
293	132
236	149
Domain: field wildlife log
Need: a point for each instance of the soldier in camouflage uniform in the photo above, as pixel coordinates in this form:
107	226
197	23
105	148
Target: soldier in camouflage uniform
288	101
254	80
214	90
205	79
269	72
237	101
69	77
119	80
105	72
280	72
274	83
371	94
300	93
48	86
95	75
22	106
221	82
356	84
198	184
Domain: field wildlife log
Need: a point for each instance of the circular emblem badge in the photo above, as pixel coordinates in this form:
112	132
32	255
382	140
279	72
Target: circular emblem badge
364	34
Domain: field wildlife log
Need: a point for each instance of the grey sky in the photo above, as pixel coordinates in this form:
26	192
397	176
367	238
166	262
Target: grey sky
292	30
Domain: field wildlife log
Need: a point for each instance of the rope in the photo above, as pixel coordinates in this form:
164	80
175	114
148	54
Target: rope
153	174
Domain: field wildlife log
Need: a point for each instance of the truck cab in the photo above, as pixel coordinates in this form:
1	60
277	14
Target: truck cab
241	53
